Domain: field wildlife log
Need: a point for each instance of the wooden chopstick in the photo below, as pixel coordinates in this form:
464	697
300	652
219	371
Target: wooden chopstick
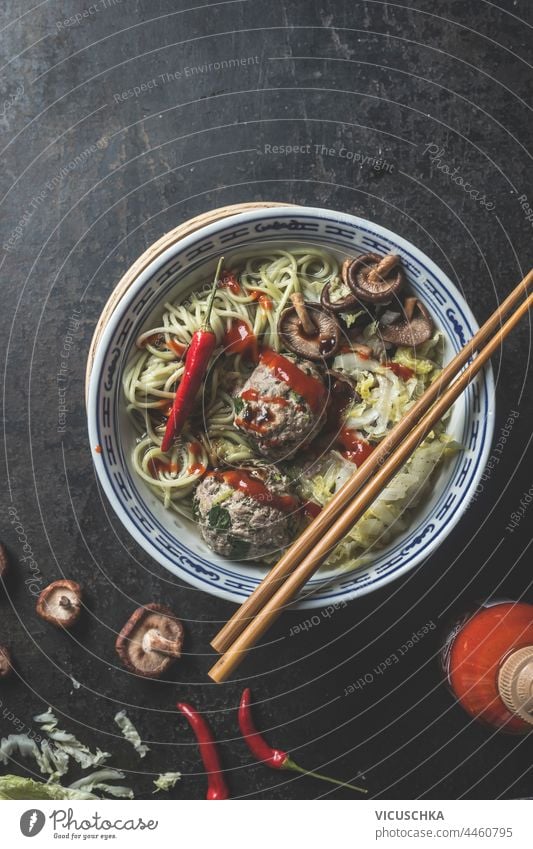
305	563
318	527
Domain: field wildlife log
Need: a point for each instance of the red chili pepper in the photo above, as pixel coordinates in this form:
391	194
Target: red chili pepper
274	758
216	784
202	345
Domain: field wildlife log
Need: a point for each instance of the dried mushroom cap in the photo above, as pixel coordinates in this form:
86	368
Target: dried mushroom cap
6	663
60	603
150	641
4	561
415	328
374	279
346	303
308	330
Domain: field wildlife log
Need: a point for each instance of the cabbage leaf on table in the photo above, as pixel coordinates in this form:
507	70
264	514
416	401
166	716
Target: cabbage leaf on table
19	787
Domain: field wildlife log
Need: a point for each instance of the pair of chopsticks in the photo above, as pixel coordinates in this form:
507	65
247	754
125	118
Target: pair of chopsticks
284	581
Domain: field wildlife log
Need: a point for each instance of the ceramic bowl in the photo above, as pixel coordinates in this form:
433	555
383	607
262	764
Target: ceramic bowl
175	543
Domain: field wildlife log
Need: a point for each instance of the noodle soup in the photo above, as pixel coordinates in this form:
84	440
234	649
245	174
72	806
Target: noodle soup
283	418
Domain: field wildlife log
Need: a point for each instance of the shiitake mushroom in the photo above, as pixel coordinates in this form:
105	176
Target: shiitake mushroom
60	603
308	330
374	279
150	641
348	302
415	328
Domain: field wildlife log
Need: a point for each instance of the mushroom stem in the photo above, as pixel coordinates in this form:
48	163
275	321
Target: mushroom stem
409	307
64	601
308	325
153	640
383	268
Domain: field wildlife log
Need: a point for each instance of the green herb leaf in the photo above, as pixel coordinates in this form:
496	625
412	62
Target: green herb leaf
238	405
219	518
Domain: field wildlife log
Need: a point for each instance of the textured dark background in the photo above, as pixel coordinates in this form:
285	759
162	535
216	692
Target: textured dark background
379	79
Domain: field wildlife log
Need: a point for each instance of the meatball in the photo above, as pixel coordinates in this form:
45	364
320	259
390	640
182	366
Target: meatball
274	414
246	513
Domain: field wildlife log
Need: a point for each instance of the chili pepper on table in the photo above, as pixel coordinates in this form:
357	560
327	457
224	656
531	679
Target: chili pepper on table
274	758
202	345
216	784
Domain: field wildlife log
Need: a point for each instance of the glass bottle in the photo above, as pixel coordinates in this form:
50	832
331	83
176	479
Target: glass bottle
488	661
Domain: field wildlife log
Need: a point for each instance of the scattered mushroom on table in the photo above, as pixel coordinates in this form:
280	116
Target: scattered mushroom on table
374	279
60	603
308	330
4	562
150	641
6	663
413	329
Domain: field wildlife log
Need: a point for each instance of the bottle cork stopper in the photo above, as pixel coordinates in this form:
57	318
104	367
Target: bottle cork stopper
515	683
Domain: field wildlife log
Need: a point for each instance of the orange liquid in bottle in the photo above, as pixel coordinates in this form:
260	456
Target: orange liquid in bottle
488	661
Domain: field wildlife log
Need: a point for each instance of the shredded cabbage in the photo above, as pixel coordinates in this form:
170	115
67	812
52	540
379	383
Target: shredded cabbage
338	289
424	360
19	787
389	515
53	758
99	781
130	733
350	318
52	761
17	743
166	781
68	744
385	398
47	720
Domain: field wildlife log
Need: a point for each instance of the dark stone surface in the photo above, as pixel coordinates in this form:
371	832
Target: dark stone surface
383	80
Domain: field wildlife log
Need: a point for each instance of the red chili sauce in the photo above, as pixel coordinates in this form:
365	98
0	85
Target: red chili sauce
255	488
196	468
354	447
311	510
350	442
176	347
156	466
404	372
239	339
257	419
264	301
305	385
229	281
